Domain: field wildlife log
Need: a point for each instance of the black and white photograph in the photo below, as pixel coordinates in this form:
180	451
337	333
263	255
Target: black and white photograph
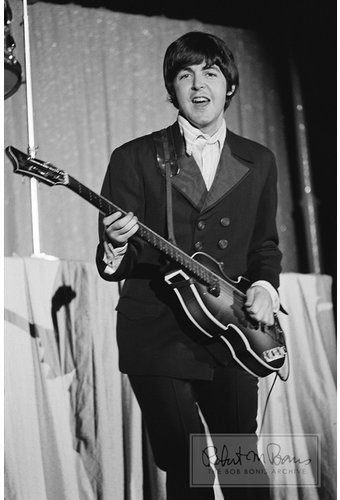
169	292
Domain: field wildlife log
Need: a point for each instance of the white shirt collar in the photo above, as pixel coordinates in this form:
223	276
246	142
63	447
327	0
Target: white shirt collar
191	133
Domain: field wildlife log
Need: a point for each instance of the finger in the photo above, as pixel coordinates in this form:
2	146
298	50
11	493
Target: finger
110	219
270	320
125	224
123	233
120	236
264	316
131	232
256	308
120	224
250	297
116	224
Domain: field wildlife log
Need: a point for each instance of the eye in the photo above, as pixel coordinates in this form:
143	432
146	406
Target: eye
183	75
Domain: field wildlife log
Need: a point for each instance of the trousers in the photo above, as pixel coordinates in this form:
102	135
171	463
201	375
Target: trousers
171	411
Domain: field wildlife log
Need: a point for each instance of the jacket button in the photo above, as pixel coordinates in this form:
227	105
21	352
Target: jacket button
201	225
225	221
223	244
198	245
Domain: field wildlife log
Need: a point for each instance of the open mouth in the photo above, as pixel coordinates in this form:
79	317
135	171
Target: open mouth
200	100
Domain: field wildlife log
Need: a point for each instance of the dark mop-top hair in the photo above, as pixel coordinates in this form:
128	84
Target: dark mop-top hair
196	47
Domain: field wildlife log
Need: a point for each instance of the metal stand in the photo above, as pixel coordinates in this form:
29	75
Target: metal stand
30	128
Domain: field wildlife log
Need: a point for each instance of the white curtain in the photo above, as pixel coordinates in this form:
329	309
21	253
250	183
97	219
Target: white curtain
73	426
306	404
97	82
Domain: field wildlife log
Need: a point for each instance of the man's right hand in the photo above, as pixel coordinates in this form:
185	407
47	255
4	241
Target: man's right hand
119	229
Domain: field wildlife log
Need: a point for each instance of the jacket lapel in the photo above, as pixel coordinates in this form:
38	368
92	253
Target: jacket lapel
189	181
230	171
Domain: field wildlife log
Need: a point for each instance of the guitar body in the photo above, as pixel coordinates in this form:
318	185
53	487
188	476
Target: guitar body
259	350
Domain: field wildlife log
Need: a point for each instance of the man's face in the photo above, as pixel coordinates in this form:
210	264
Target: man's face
201	95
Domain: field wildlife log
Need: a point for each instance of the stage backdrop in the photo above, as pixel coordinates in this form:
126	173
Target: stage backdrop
97	82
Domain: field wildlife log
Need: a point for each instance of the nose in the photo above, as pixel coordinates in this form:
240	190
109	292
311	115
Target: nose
197	82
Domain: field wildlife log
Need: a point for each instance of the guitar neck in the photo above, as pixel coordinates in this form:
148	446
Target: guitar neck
106	207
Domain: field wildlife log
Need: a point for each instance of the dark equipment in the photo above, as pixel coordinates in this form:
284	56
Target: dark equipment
12	69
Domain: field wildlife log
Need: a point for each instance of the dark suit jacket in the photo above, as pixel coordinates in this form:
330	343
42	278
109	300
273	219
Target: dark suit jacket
234	223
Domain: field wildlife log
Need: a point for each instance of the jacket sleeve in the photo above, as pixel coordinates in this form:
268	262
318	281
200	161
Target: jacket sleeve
264	256
122	186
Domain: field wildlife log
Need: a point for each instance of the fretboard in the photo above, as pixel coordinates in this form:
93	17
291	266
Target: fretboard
106	207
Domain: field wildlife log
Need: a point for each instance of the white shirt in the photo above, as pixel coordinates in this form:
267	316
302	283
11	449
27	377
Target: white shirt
206	150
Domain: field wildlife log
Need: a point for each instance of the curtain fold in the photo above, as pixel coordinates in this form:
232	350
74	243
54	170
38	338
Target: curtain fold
67	415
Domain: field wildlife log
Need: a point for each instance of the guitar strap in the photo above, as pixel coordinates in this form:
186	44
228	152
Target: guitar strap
167	162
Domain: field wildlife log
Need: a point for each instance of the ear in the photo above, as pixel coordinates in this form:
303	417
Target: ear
231	91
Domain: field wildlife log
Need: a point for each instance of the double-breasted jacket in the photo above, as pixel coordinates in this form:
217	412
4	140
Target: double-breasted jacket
233	222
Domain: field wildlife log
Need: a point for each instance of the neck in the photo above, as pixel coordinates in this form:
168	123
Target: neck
210	129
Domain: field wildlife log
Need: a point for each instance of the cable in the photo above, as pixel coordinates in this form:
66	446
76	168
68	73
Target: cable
267	401
284	379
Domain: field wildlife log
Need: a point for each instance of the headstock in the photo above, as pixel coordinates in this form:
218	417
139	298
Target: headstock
32	167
